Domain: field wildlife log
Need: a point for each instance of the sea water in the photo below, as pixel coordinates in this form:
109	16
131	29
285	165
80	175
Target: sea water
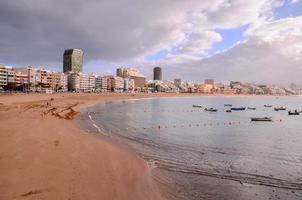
210	155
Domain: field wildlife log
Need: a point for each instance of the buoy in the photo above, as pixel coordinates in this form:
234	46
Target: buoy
158	126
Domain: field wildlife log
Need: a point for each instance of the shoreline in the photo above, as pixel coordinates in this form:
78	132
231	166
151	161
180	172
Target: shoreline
45	155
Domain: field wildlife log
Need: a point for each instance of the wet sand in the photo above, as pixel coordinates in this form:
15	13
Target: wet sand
44	155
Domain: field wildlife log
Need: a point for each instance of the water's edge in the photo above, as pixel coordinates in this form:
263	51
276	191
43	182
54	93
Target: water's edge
84	121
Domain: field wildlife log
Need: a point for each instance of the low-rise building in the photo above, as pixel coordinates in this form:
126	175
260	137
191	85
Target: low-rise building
59	82
21	80
177	82
98	83
132	73
206	88
46	79
84	82
3	76
92	82
106	83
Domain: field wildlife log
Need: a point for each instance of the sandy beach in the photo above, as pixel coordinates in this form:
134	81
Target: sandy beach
44	155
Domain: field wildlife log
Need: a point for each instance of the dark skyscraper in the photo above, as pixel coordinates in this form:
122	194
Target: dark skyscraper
157	73
73	60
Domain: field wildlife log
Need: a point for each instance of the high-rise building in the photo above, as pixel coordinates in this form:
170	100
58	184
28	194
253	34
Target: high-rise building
73	60
73	82
157	73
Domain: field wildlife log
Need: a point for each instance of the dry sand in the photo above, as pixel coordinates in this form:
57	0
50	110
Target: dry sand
43	155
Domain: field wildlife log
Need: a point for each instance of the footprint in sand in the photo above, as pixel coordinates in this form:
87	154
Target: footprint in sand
56	142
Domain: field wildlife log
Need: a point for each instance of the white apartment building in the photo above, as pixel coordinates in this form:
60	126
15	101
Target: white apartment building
59	81
3	76
92	82
84	82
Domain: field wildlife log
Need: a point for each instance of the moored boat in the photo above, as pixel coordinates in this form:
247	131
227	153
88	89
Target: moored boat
228	111
238	109
251	108
279	108
197	106
294	113
261	119
268	106
211	110
228	105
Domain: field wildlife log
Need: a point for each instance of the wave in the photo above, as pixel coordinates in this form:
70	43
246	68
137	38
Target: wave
241	177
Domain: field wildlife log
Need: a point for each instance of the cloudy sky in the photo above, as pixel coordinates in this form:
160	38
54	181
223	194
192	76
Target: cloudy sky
257	40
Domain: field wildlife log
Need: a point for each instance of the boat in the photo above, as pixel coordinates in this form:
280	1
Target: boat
211	110
261	119
228	111
197	106
251	108
238	109
293	113
279	108
268	106
228	105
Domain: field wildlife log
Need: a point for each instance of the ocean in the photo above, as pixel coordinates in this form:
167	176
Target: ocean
210	155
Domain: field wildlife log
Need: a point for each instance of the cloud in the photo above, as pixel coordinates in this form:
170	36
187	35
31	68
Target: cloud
37	32
124	32
272	54
294	1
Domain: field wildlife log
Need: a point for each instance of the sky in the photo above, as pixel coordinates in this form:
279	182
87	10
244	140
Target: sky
251	41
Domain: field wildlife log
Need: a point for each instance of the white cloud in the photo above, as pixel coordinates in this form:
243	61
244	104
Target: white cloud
272	54
294	1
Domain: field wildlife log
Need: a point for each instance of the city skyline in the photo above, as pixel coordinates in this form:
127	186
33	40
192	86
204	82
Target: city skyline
257	41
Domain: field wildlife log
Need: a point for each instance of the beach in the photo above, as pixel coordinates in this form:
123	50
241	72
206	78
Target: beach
44	155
